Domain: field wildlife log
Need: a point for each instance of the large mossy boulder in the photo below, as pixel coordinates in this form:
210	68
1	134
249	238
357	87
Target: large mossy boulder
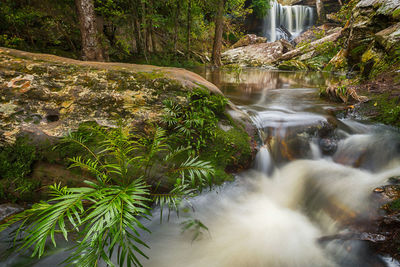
47	96
372	61
369	20
389	38
44	97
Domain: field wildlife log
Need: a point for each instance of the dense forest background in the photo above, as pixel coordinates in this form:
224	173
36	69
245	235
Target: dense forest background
170	32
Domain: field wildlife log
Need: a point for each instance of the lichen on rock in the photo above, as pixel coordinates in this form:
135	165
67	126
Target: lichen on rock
46	95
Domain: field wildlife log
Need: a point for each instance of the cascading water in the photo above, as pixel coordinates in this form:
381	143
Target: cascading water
287	22
313	178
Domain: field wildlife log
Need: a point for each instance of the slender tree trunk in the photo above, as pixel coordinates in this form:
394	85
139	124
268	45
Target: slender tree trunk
91	49
219	27
137	33
320	11
176	21
144	30
152	32
189	26
136	26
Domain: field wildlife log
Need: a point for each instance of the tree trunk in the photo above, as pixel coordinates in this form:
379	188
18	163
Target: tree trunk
152	32
189	24
144	30
219	27
91	49
320	11
137	30
176	21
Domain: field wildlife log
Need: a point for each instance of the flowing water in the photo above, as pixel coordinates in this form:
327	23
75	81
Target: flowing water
287	22
312	183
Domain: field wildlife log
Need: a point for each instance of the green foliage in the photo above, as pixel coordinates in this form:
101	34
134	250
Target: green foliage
292	64
196	124
325	52
229	152
345	12
342	90
260	7
319	34
394	205
47	26
16	160
196	119
15	165
389	111
143	31
104	216
10	41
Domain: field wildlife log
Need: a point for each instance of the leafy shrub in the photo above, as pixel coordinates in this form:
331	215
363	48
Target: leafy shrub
103	217
15	165
196	119
16	160
326	51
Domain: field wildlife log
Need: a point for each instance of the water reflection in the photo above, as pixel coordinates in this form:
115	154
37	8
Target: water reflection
249	85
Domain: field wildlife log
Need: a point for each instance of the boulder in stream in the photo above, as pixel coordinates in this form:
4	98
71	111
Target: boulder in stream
7	210
261	54
249	39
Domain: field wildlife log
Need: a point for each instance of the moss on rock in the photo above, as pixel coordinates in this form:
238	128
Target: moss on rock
292	65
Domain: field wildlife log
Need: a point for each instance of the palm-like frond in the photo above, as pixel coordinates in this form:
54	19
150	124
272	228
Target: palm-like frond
198	171
173	199
111	226
175	152
106	213
43	220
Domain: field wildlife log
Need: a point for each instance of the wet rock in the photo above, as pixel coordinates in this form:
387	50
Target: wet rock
313	33
264	54
288	148
7	210
389	38
391	219
305	48
383	7
249	39
372	237
388	192
287	46
371	20
394	180
360	151
328	146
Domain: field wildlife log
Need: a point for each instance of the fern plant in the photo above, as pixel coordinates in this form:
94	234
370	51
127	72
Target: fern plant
103	217
197	119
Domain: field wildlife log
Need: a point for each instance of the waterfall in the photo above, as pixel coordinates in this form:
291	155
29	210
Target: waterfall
287	22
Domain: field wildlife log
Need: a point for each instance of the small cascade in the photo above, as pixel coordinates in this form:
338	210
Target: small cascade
263	161
287	22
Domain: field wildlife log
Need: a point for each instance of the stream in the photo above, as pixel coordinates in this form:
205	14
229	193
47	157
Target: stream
311	184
